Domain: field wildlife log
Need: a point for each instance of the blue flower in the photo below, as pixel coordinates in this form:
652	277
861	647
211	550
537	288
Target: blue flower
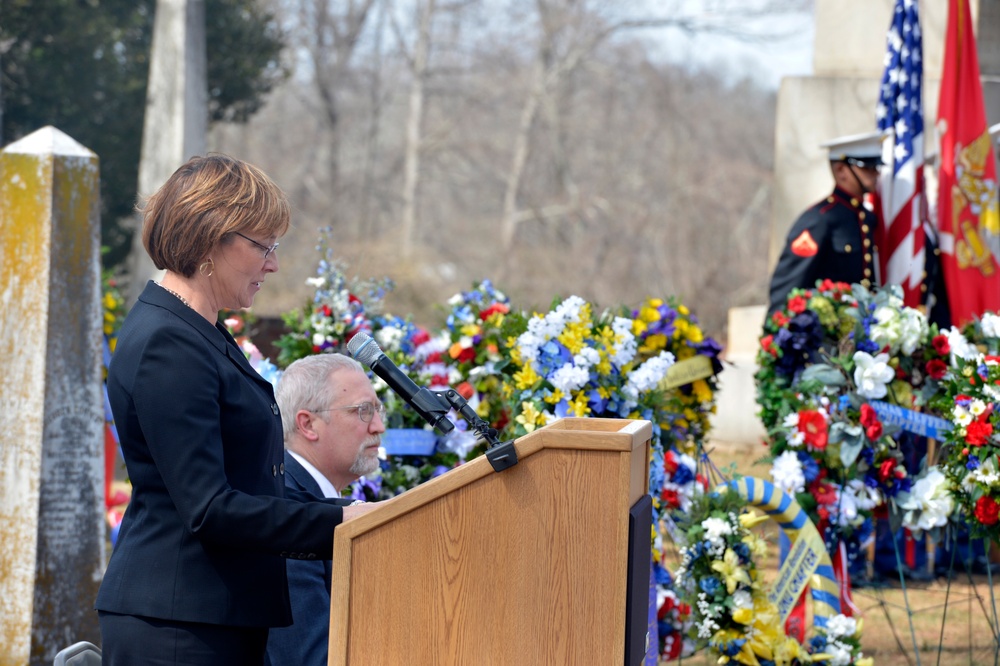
709	584
810	468
662	575
973	462
683	475
799	342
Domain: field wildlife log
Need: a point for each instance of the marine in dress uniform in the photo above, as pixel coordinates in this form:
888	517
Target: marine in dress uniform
835	238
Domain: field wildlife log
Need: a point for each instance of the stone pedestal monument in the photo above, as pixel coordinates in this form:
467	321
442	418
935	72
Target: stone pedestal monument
838	99
52	530
840	96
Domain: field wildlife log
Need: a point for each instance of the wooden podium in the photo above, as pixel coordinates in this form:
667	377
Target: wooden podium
524	566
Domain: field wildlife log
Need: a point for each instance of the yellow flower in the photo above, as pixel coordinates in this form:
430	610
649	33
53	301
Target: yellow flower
757	546
526	377
529	416
732	573
515	353
750	520
579	405
701	390
554	397
653	343
743	615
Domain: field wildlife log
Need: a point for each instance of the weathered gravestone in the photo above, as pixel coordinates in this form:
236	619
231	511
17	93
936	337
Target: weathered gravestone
52	531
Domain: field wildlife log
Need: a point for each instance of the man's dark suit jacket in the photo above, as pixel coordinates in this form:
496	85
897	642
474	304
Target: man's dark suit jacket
210	521
306	642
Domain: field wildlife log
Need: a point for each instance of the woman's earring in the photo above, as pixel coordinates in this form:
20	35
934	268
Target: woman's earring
207	268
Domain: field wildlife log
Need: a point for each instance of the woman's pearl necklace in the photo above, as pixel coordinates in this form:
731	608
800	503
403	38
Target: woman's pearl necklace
182	299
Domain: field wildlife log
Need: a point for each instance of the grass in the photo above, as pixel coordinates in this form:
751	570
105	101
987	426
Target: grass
941	623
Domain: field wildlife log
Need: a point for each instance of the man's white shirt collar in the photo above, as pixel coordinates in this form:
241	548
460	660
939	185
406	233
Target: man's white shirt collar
324	484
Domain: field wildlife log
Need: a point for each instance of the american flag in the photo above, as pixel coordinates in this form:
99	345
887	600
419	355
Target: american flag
900	115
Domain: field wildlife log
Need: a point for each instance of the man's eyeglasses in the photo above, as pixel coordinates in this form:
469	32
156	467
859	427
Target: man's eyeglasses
366	410
267	250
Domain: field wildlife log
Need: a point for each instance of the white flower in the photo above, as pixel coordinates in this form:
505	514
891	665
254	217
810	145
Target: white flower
841	626
787	473
871	374
569	378
913	331
625	344
840	653
960	347
885	331
715	529
587	357
851	499
742	599
316	282
647	376
991	325
977	407
961	416
929	502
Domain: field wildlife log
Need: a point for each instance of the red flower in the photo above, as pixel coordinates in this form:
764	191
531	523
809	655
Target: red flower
824	493
868	415
420	337
496	307
767	344
869	419
941	345
466	390
670	462
886	470
779	319
977	432
987	510
670	498
433	357
797	304
936	368
813	425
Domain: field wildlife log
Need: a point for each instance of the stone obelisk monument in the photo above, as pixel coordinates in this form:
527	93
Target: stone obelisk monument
52	529
176	122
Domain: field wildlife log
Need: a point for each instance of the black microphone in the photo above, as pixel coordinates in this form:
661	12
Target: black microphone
431	407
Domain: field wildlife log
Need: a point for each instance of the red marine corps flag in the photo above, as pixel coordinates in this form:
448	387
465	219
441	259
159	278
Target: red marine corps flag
968	219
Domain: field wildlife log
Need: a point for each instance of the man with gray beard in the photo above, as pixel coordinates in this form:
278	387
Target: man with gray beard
333	425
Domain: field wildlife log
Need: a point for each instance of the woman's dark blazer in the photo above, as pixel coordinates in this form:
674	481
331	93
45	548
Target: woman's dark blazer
210	521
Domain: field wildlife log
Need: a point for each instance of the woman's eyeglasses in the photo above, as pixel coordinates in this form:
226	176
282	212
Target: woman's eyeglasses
267	250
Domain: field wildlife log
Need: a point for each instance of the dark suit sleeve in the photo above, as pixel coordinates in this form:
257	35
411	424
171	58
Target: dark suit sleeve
190	414
306	641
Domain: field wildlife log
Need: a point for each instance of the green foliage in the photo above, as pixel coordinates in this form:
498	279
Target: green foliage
82	66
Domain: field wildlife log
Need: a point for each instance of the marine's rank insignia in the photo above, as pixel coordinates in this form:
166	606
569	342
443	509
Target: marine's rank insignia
804	245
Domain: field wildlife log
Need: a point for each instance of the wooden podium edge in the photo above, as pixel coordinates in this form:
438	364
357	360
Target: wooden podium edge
590	434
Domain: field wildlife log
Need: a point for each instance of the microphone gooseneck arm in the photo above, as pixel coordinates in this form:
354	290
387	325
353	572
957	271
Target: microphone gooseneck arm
500	454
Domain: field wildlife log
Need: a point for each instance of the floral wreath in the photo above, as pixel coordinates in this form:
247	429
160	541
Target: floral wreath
731	614
828	360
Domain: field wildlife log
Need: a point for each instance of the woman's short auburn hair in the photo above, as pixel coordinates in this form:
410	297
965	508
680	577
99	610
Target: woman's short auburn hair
205	202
